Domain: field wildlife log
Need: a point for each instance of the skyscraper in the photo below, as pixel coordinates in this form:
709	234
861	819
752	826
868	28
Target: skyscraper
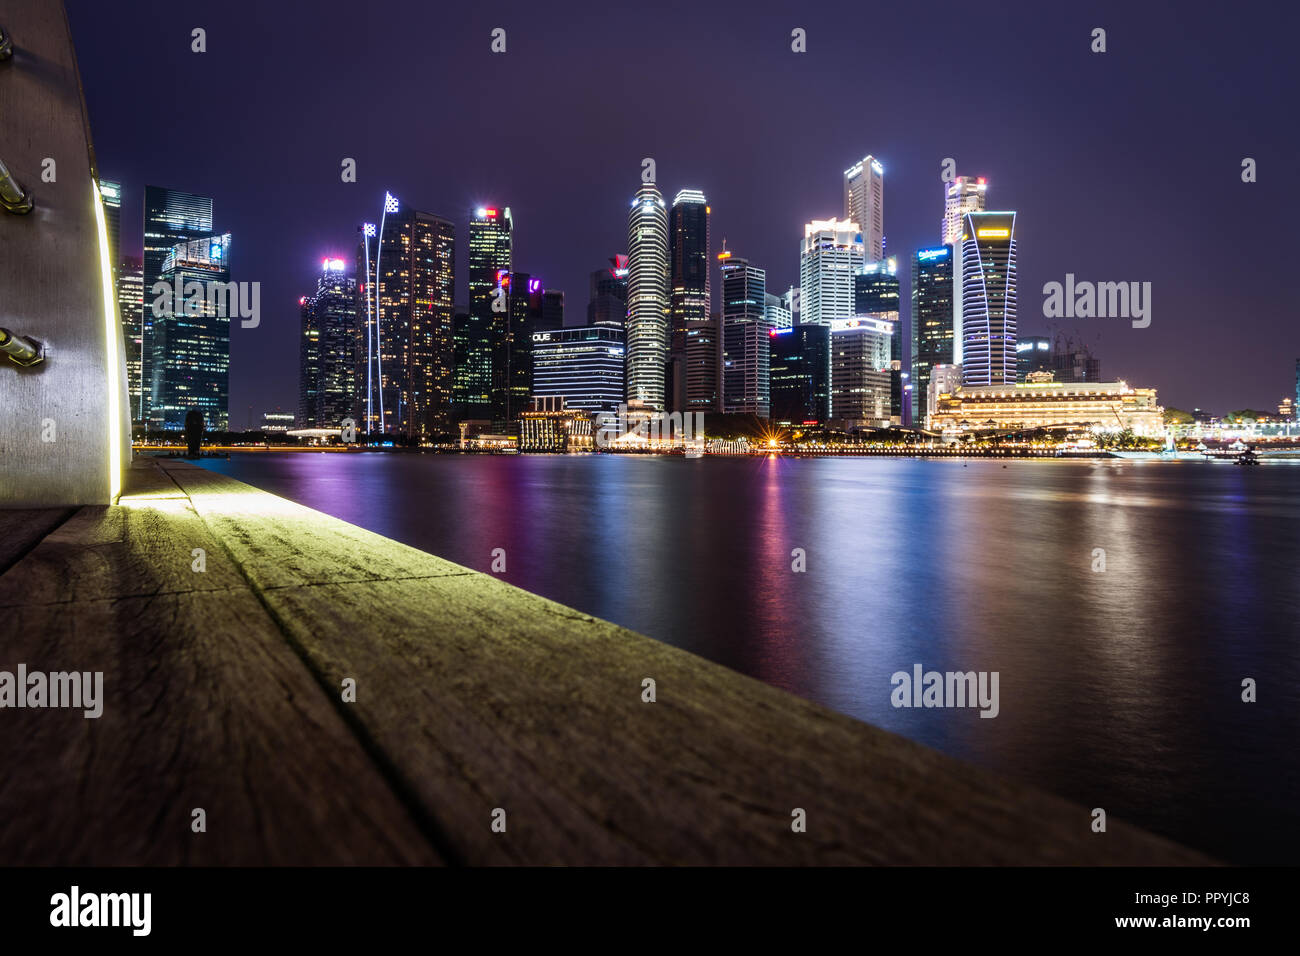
130	308
876	295
801	374
512	354
647	298
111	193
1033	354
864	203
415	262
688	254
860	367
830	255
987	335
552	309
189	344
963	195
170	216
932	322
583	365
778	311
327	379
746	345
491	242
607	301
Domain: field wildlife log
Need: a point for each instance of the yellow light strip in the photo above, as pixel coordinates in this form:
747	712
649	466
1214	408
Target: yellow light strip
110	360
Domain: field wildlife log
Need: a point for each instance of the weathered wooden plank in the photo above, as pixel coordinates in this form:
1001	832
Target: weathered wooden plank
22	529
482	696
204	705
283	544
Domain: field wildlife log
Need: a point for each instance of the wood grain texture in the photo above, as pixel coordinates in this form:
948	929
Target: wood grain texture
482	696
205	705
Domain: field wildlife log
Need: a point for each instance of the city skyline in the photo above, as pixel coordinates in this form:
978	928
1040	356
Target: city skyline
302	211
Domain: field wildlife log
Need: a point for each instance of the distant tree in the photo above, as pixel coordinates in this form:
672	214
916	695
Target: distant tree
1176	416
1245	415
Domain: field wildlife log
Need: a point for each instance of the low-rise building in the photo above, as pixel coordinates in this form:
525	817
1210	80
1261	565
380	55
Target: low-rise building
1050	404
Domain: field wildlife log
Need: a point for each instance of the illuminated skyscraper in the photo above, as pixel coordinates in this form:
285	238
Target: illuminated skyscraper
413	309
688	251
112	196
830	256
801	374
987	336
583	365
189	345
932	322
607	302
746	344
876	295
170	216
491	241
963	195
130	308
512	353
647	298
327	377
864	203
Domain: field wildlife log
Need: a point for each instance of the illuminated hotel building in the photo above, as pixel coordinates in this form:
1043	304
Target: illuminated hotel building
130	308
987	335
932	322
860	373
745	342
583	365
190	339
945	379
864	203
1048	404
963	195
647	298
491	238
876	295
801	374
830	255
170	216
413	306
327	367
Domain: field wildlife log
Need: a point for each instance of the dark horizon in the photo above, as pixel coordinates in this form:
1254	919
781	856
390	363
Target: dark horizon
1123	166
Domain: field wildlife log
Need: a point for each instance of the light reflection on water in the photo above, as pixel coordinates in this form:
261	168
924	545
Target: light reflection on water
1118	689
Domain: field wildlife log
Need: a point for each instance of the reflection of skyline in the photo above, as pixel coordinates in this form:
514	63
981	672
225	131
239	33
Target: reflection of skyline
1120	686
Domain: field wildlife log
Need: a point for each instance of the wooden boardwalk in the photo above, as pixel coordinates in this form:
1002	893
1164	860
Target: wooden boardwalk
223	691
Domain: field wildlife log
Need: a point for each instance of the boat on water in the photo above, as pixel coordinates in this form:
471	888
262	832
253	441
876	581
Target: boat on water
1247	457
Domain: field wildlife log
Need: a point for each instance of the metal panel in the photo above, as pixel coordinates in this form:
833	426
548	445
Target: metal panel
55	428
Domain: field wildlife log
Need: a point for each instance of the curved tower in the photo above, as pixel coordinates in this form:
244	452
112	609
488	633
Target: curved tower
647	297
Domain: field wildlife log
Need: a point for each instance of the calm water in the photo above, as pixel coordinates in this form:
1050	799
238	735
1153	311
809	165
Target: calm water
1118	689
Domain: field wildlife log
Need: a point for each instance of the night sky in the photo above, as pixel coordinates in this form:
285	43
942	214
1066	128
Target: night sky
1123	166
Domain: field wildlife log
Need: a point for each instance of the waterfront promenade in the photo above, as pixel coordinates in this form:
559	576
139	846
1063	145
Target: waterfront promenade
224	691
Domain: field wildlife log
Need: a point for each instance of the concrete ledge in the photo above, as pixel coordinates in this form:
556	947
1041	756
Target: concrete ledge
223	690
